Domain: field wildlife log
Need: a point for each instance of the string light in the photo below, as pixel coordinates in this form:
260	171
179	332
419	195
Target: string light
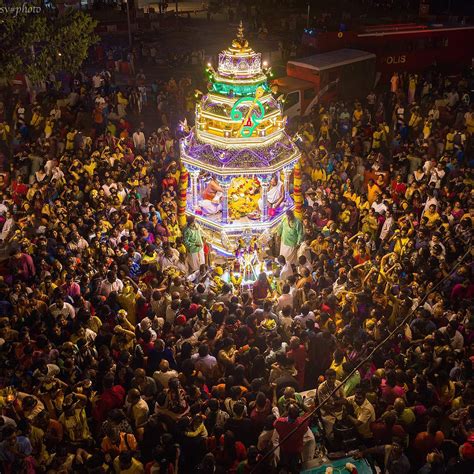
236	159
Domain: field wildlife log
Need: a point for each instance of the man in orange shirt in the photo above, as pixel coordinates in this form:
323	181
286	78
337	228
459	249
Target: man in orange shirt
373	191
427	441
116	442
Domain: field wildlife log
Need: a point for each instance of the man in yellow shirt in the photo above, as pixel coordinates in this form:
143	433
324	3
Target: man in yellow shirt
70	139
364	413
376	136
449	141
138	410
4	131
319	245
373	190
91	164
401	242
357	114
125	463
74	420
432	215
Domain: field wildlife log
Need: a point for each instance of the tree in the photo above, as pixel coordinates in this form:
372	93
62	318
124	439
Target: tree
40	43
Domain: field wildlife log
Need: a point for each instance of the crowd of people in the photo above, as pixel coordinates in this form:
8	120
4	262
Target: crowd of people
121	351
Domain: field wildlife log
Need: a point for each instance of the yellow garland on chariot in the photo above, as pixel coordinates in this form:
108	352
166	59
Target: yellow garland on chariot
236	280
243	197
218	282
297	194
182	189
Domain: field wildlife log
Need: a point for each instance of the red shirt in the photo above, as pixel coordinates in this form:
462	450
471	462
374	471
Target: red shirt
168	182
424	443
327	309
191	311
111	398
259	417
224	458
18	191
390	394
147	347
459	291
294	444
398	190
25	266
259	290
384	434
299	355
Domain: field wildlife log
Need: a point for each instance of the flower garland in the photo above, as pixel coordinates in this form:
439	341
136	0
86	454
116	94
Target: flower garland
182	190
297	194
243	197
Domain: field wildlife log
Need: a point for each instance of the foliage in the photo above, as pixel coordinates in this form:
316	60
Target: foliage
38	44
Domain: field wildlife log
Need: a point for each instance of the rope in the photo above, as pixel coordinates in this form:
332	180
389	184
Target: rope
368	357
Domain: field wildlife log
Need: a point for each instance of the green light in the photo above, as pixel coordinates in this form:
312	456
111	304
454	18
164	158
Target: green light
239	89
253	118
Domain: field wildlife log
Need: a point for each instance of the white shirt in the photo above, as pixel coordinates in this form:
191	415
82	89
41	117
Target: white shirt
90	335
305	250
57	174
162	378
284	300
106	287
301	320
170	314
7	227
171	261
49	166
107	188
427	166
67	311
379	207
286	271
80	245
139	140
431	200
436	176
206	363
386	228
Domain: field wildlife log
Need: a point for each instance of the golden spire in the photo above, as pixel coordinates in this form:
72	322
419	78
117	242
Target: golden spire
240	42
240	32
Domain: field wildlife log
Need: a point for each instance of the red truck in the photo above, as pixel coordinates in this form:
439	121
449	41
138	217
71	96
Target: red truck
344	73
410	47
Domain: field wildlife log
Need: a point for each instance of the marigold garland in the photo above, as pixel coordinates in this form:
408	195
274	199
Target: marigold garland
297	194
182	190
